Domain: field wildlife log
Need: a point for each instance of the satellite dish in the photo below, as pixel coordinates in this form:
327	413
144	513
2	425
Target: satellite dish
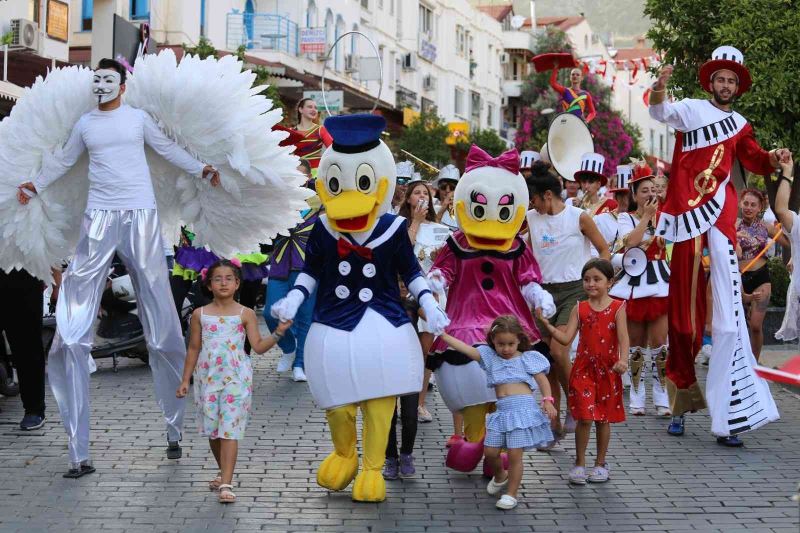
517	21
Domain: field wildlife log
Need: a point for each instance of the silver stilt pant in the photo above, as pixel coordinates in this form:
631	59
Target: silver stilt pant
136	238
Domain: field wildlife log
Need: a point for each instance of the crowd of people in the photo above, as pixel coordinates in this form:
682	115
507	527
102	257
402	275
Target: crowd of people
504	281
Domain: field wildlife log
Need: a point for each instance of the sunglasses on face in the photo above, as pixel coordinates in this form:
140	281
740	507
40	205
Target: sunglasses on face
403	181
447	187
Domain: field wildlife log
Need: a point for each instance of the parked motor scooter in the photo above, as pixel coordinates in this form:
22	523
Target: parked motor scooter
118	332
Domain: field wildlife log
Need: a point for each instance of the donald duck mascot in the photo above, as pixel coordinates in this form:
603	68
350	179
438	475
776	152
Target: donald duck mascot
361	350
488	271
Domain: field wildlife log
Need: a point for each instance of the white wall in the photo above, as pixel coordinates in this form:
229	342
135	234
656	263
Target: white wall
23	9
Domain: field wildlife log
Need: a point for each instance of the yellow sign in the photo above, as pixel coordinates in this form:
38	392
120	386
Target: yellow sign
409	116
58	20
459	131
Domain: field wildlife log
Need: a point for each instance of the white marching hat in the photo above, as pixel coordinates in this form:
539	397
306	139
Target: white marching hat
405	169
527	158
591	168
447	173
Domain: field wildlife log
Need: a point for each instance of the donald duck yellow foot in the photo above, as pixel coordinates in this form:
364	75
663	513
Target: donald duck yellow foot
369	487
336	472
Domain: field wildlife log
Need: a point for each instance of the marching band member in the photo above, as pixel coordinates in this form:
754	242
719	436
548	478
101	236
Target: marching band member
645	284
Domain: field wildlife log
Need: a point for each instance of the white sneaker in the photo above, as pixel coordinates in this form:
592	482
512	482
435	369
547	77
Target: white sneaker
495	488
663	411
638	411
705	354
506	502
298	374
285	362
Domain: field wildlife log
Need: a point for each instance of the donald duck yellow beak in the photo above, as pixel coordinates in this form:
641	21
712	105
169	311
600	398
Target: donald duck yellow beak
353	211
489	234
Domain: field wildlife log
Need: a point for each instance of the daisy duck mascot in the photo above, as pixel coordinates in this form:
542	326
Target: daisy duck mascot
85	176
361	351
488	271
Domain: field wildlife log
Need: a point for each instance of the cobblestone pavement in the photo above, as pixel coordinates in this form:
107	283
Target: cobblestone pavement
659	483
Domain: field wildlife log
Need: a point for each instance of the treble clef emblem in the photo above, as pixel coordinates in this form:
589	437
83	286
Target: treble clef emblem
706	182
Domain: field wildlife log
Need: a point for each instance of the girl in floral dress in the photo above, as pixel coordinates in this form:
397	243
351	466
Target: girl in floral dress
595	383
223	375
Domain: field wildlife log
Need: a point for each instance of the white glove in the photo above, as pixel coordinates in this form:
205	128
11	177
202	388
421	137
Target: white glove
537	297
437	282
434	316
286	308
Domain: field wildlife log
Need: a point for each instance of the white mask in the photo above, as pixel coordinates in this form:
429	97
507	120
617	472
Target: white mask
105	85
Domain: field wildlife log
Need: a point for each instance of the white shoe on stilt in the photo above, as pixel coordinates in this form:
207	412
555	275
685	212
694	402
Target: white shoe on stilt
285	362
298	374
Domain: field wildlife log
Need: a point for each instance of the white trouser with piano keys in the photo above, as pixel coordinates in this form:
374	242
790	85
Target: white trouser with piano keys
738	400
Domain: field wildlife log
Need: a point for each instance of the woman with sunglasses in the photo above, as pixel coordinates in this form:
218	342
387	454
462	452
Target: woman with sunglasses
445	185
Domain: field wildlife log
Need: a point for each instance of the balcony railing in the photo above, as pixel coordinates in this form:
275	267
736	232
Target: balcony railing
262	31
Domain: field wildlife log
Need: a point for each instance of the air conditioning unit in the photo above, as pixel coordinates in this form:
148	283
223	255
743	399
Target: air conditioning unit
504	101
350	63
429	83
410	61
504	58
24	34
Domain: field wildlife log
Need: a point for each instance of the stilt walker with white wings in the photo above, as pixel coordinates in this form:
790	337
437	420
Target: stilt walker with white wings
183	130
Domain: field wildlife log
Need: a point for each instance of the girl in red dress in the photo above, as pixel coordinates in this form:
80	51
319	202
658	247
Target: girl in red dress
595	383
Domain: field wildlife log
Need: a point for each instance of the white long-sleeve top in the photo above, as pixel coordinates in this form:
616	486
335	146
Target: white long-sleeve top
119	178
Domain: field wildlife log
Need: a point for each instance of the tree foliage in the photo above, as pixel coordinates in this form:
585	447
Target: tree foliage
766	31
614	137
426	138
486	139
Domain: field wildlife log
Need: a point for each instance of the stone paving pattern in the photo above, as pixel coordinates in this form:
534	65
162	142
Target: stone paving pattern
659	483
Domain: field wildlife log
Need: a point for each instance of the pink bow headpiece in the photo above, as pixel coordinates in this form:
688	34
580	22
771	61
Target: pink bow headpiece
477	158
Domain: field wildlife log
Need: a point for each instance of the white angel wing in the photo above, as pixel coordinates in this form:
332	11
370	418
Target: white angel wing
212	110
43	233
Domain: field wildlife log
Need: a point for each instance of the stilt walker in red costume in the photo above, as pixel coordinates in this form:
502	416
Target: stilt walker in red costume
700	209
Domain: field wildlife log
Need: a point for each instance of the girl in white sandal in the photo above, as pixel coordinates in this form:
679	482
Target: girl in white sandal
223	376
514	370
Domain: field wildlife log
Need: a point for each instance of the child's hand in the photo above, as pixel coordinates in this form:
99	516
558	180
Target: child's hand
541	318
283	326
620	367
550	410
183	389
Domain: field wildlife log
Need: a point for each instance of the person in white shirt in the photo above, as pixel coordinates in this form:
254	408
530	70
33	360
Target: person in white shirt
120	218
561	237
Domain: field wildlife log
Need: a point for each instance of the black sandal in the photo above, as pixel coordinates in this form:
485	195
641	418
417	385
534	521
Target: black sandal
75	473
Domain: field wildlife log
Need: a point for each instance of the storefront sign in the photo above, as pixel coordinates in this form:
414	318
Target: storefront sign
312	40
427	50
58	20
458	132
334	99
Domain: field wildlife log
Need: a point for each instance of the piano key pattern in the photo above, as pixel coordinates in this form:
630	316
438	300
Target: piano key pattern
745	411
647	284
713	133
695	222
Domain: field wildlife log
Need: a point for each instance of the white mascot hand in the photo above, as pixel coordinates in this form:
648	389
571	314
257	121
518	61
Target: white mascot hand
286	308
436	318
537	297
437	282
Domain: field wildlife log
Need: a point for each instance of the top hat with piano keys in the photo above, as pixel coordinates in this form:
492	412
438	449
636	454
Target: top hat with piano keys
591	168
624	175
726	58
